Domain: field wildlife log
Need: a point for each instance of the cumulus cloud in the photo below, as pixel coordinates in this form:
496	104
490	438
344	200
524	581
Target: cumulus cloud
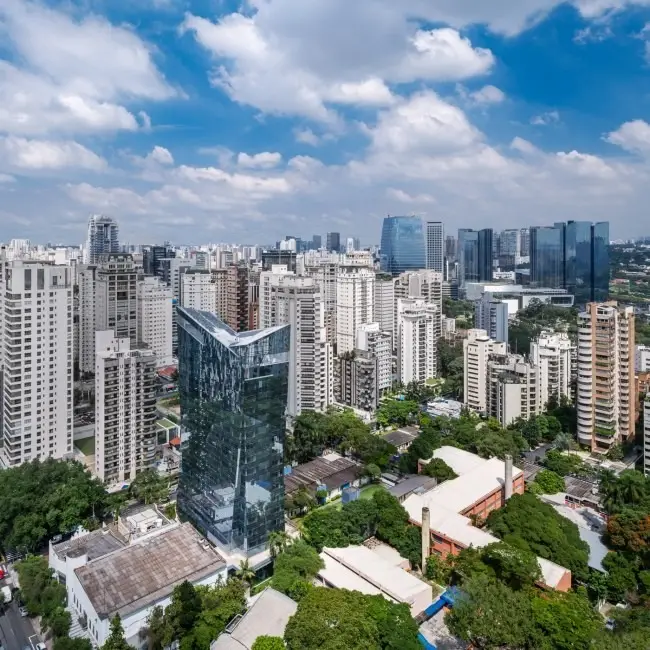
544	119
24	154
632	136
161	155
72	75
488	95
263	160
306	136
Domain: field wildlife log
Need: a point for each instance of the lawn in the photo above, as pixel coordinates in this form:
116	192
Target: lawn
86	445
365	493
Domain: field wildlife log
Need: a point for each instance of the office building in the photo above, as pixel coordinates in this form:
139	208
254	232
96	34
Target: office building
512	388
587	261
333	242
435	246
524	242
605	369
316	242
108	299
477	348
553	354
509	253
277	257
36	334
418	327
238	298
233	393
491	315
152	256
403	245
451	248
642	358
355	289
125	408
474	256
384	304
155	315
102	239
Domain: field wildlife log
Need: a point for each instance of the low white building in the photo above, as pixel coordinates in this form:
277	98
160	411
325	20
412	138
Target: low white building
131	581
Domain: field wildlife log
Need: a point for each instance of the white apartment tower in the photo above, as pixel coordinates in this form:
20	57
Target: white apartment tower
125	408
435	246
642	358
199	291
108	299
384	307
477	348
102	239
418	331
355	287
425	284
37	388
606	388
646	435
155	314
552	354
269	283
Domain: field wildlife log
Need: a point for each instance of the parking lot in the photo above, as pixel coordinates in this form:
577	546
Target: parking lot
15	631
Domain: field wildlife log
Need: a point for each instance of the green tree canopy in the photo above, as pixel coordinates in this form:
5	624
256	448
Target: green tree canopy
438	469
66	643
295	568
150	487
116	640
549	482
269	643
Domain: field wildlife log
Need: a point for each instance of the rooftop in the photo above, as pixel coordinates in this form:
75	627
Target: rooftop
402	436
95	545
415	483
268	616
145	572
333	470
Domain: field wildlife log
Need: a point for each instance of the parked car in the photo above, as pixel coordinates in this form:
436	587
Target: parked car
23	611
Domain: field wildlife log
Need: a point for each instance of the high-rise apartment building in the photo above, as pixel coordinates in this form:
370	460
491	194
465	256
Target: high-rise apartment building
474	256
108	299
435	246
552	353
646	435
491	315
102	239
155	315
427	285
384	304
642	358
605	370
37	357
403	245
269	283
199	291
333	242
418	327
355	294
125	408
477	348
233	392
371	339
238	298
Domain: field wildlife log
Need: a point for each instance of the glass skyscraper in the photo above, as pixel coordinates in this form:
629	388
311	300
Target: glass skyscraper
402	245
547	256
474	255
233	395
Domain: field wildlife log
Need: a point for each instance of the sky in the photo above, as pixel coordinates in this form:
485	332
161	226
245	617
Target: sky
202	121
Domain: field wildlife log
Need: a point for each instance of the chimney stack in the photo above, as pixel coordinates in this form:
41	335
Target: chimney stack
426	537
508	478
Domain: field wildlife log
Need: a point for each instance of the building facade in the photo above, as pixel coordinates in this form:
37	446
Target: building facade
238	298
418	333
125	408
491	315
333	242
403	245
233	393
435	246
355	294
477	348
102	239
199	291
37	357
384	304
605	376
474	256
155	314
553	354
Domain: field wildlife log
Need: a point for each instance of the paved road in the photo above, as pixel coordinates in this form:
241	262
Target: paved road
14	629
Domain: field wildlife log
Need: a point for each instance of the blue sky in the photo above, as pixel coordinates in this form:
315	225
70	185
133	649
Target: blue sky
206	121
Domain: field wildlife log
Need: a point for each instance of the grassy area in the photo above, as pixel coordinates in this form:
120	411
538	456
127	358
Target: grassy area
365	493
86	445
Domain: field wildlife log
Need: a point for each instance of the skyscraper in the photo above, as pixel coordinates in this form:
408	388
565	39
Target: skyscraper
355	294
103	237
402	245
435	246
36	305
547	256
155	316
474	255
233	394
316	242
524	241
333	242
418	326
587	260
491	315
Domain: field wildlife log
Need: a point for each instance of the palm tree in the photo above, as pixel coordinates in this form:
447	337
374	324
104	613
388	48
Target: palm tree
563	442
245	572
278	542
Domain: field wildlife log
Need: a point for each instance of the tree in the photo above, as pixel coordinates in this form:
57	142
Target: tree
629	488
269	643
116	640
621	576
66	643
397	412
150	487
245	572
373	472
295	568
184	610
630	531
438	469
549	482
491	615
58	621
513	566
278	542
562	464
155	630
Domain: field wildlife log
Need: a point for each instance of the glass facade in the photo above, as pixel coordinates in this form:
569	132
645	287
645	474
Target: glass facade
402	245
547	256
233	395
600	257
474	255
578	260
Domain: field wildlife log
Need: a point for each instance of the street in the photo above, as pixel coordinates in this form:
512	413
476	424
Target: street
15	630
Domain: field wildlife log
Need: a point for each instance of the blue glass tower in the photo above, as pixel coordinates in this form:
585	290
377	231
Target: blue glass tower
402	245
233	395
547	267
474	255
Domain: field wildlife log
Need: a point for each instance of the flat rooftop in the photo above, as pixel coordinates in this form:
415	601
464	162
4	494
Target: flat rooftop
402	436
332	470
145	572
95	545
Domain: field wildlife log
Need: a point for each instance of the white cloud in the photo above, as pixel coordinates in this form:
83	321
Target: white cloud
544	119
632	136
26	154
306	136
300	59
7	178
72	75
161	155
404	197
488	95
263	160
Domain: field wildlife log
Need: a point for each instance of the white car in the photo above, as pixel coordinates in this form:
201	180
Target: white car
23	611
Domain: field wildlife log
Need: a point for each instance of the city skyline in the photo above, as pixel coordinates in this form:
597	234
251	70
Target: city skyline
169	127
